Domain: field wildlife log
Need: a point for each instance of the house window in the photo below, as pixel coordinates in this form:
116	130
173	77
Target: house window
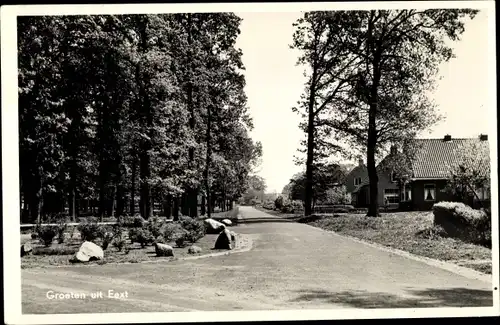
430	192
406	195
391	195
393	177
357	181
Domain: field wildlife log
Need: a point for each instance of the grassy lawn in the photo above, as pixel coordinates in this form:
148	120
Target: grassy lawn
404	231
60	254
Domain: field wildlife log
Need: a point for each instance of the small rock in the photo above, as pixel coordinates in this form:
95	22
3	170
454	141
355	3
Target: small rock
163	250
227	222
26	249
194	250
214	226
223	240
88	252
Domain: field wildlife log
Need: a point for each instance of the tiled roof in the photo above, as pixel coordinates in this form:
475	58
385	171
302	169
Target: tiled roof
434	158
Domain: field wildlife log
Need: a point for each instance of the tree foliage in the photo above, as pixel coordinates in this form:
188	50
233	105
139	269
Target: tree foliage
113	110
471	174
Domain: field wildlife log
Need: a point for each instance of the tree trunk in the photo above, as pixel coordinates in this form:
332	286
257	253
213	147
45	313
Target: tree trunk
132	188
147	118
175	212
213	203
168	207
146	210
209	155
102	194
372	126
114	201
372	175
72	205
193	203
310	146
120	201
203	205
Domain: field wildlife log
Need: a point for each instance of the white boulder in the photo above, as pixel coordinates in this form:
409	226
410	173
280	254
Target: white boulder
213	226
88	252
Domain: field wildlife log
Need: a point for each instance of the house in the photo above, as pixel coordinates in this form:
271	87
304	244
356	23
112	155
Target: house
355	177
429	173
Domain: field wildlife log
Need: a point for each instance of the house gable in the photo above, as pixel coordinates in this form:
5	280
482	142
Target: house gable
355	177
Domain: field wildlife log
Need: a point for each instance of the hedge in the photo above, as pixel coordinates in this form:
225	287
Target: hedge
462	222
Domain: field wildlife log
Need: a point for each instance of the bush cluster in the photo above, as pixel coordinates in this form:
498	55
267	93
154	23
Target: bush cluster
46	234
144	236
90	230
195	229
269	205
287	206
461	221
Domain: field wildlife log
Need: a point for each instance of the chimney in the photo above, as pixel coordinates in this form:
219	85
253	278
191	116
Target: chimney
394	149
360	161
483	137
447	137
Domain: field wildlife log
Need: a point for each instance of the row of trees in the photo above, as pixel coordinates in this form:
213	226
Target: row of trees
369	76
118	108
328	188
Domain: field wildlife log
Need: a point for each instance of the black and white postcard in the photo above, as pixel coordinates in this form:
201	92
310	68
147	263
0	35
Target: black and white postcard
266	161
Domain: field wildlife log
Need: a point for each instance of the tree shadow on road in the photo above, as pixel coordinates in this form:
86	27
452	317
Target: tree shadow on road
452	297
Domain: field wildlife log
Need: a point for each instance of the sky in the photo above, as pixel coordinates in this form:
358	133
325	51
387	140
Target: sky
274	84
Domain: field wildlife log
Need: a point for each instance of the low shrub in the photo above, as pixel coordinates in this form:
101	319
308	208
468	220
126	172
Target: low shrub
132	235
171	230
287	206
195	229
46	234
90	230
145	237
154	227
132	221
297	206
138	221
181	240
278	203
119	243
462	222
107	238
269	205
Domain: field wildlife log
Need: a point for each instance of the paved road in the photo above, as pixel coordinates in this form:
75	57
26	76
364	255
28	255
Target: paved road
291	266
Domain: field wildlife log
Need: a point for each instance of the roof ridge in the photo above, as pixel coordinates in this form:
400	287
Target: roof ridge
442	139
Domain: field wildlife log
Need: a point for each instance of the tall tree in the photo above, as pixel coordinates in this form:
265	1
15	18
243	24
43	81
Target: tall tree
325	51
